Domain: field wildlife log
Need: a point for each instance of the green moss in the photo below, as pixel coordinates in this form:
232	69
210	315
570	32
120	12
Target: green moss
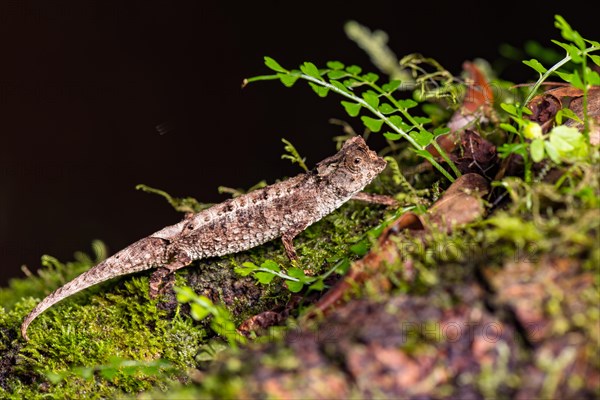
118	318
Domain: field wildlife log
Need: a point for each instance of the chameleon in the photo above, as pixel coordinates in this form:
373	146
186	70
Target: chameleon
281	210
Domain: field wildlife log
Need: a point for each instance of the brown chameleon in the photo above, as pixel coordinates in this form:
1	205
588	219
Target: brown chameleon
283	209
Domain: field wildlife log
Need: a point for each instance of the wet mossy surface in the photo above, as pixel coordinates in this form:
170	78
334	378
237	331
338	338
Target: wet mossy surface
118	318
505	306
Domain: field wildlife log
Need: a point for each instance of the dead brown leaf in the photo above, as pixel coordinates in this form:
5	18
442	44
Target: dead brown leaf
459	205
259	322
478	155
546	105
544	108
476	103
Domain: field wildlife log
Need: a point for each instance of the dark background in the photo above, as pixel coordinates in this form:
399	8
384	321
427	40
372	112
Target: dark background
84	85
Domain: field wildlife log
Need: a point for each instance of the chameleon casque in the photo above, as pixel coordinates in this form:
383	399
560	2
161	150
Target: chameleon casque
283	209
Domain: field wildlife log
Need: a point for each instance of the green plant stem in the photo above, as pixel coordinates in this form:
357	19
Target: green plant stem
528	165
365	105
381	116
279	274
376	112
410	118
552	69
586	124
444	155
260	78
331	270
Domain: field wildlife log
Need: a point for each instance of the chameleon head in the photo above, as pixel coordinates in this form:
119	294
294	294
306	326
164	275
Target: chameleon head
353	167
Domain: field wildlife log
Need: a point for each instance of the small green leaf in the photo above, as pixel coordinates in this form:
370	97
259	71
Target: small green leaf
567	32
311	69
185	294
391	86
567	113
246	269
320	90
336	74
350	83
552	152
422	120
441	131
512	148
335	65
563	25
536	65
361	248
392	136
250	264
573	51
371	98
565	76
407	103
353	109
567	133
508	128
569	142
85	372
109	373
576	81
385	108
509	108
373	124
592	77
537	150
423	138
270	264
339	85
291	154
595	59
264	277
370	77
593	42
396	120
288	80
294	287
425	154
297	273
343	267
319	285
198	312
54	377
354	69
238	270
274	65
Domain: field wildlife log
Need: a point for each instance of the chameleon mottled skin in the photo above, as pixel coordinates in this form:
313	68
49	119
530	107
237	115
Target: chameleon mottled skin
281	210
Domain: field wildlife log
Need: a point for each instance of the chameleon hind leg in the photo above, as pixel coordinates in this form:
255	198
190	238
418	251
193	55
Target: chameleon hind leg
163	278
288	244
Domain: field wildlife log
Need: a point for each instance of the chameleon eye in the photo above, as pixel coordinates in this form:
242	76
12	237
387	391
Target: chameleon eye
354	162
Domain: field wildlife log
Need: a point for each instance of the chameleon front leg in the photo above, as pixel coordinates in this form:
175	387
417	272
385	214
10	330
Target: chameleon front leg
291	251
288	237
288	244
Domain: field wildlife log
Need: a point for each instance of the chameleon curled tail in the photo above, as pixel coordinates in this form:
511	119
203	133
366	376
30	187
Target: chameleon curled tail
140	256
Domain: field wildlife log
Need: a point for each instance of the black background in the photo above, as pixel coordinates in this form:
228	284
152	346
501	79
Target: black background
84	85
